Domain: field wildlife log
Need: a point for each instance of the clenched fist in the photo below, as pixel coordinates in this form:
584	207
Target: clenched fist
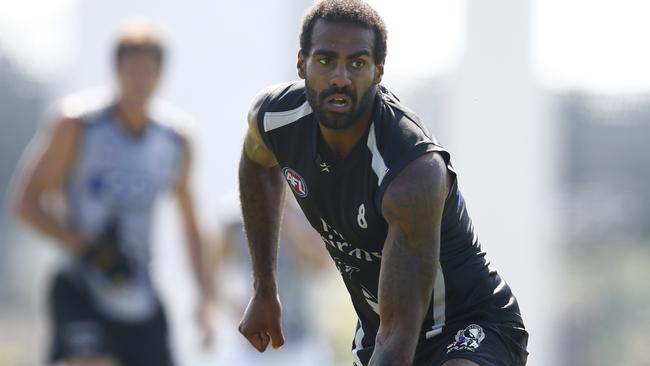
261	321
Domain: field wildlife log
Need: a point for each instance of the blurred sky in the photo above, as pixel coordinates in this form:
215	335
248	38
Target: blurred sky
68	43
596	45
54	26
590	44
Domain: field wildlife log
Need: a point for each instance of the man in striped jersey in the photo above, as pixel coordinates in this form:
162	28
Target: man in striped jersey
384	197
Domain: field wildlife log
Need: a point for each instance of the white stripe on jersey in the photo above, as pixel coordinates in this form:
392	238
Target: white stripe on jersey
358	338
438	303
378	165
273	120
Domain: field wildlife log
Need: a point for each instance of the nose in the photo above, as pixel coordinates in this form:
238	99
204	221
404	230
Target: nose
341	76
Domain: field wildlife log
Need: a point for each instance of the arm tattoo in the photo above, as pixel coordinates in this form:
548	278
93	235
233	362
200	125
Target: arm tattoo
262	194
412	206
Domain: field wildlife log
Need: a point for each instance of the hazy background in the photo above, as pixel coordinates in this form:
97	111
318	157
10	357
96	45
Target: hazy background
544	105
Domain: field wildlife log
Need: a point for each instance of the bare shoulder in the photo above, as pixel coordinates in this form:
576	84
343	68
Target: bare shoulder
420	189
81	105
175	121
73	111
52	151
61	125
254	145
171	117
257	102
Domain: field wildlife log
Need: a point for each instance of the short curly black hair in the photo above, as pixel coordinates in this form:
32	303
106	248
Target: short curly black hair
356	12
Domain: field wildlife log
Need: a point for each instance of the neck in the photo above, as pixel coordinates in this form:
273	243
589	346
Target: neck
339	143
132	115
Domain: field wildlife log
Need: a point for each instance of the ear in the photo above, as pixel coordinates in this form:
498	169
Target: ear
379	72
301	65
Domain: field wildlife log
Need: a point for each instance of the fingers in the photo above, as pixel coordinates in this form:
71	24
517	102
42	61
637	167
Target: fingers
260	341
257	339
277	337
207	341
208	337
261	323
205	322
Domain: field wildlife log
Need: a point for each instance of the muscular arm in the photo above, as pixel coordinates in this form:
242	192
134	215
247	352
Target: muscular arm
262	197
262	191
412	206
47	162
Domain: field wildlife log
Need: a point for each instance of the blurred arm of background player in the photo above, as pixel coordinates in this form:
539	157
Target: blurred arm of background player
262	193
47	162
195	247
301	240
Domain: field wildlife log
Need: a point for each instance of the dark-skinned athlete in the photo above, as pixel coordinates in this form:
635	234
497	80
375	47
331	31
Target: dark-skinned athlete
384	197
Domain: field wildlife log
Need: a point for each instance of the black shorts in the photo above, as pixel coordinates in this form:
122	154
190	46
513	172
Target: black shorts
80	331
484	343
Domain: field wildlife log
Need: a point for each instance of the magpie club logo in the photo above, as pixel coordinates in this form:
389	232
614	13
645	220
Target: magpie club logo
296	182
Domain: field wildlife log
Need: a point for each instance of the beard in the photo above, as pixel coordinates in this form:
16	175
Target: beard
339	121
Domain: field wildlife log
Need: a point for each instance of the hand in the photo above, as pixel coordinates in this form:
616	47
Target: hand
205	320
104	253
261	322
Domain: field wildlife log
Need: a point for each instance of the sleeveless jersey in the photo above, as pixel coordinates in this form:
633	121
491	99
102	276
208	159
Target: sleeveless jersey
117	176
342	201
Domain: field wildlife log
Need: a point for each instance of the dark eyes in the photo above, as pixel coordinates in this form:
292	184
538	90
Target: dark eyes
356	64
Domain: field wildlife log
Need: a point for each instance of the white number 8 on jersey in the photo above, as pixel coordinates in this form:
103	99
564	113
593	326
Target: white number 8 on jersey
361	217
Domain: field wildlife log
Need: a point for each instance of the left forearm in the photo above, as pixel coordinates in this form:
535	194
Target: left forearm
395	345
195	245
396	349
399	330
405	288
199	264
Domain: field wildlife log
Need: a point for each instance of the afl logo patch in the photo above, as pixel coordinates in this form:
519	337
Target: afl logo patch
297	184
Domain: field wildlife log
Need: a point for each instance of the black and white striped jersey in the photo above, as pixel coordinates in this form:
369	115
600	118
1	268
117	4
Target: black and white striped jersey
342	201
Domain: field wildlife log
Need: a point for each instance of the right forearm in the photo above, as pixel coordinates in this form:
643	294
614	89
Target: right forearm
34	215
262	194
47	163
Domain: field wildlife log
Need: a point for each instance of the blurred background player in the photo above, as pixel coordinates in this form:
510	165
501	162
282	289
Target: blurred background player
109	161
302	261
